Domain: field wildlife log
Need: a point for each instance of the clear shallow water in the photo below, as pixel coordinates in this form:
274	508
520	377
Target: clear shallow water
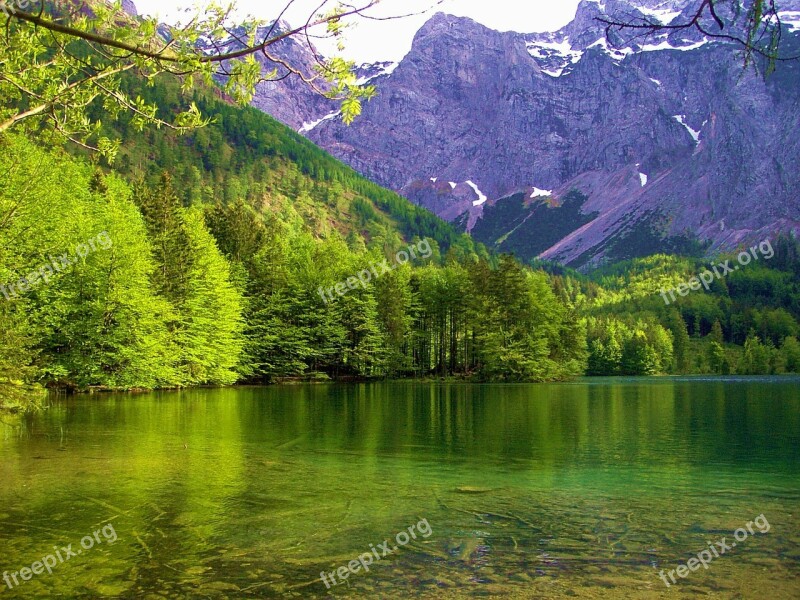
531	491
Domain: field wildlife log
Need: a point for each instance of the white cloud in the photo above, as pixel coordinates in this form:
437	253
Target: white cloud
372	41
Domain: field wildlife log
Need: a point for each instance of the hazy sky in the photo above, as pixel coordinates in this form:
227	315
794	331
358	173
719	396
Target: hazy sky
371	41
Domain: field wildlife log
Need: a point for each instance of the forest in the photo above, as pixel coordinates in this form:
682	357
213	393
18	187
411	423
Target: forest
747	323
215	244
213	293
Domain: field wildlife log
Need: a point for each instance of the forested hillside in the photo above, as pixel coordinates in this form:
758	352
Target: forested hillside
747	323
215	247
200	260
244	154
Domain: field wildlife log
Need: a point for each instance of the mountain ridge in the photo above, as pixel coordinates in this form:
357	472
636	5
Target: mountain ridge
666	133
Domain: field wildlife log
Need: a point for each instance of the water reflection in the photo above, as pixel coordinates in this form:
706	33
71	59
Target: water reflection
528	489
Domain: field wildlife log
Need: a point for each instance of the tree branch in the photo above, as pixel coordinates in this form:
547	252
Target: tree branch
161	55
37	110
759	21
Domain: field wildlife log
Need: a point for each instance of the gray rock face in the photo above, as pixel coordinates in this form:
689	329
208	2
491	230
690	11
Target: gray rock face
130	7
669	125
286	96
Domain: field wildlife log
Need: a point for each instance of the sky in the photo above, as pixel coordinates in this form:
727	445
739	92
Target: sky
374	41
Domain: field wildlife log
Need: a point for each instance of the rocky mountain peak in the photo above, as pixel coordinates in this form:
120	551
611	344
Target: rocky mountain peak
129	7
444	23
662	134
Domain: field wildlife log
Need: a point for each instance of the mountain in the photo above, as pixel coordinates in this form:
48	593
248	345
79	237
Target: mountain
245	154
643	144
241	251
289	99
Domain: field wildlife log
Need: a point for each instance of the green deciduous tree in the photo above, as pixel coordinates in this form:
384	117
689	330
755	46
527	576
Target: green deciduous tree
206	323
680	337
756	359
92	320
210	330
58	64
717	359
791	354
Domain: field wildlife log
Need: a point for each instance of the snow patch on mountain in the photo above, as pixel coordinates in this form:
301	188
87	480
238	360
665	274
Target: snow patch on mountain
371	72
642	177
538	193
694	133
558	56
481	196
310	126
791	19
663	16
557	53
615	53
667	45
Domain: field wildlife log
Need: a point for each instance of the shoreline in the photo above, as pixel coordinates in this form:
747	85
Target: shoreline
41	394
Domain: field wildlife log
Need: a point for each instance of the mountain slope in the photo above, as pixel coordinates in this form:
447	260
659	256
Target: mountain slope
247	155
666	134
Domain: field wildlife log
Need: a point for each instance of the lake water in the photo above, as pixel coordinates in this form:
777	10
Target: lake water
581	490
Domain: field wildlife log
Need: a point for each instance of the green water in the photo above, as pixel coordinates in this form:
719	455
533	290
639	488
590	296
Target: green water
581	490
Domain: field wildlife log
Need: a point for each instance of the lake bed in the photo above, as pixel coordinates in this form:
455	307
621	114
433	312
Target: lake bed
587	489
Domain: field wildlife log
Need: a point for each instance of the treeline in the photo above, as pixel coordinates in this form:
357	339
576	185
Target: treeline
227	292
199	260
118	316
449	315
248	156
136	288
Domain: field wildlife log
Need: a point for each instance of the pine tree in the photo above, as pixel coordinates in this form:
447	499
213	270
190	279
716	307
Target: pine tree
718	360
393	296
716	334
162	212
680	337
210	332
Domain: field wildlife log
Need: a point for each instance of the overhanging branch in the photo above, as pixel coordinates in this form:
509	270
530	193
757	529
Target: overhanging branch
762	17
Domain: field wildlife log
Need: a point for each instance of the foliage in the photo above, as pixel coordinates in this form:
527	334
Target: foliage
754	25
747	323
223	240
59	63
231	292
96	322
247	156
